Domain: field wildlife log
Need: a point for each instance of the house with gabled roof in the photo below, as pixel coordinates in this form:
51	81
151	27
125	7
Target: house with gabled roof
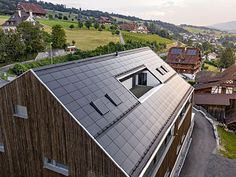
35	9
127	114
17	18
216	92
186	61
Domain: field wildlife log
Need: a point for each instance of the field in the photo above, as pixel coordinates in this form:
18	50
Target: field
211	68
228	143
145	37
85	39
3	19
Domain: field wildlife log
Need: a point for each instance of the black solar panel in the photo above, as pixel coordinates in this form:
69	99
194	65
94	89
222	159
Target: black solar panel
191	52
114	98
100	107
176	51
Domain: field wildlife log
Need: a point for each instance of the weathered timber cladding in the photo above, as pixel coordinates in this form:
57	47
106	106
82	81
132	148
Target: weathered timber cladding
48	132
171	156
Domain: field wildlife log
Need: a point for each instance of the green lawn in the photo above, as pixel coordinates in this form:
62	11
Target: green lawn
3	19
228	143
85	39
211	68
146	37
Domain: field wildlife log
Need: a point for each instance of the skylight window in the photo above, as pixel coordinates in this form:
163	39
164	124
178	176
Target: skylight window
140	82
162	70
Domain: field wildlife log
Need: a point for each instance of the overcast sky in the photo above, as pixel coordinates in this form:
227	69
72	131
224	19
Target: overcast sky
196	12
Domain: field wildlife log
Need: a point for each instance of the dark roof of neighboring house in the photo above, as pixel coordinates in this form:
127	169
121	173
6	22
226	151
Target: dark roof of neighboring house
130	130
183	55
206	77
34	8
2	83
15	19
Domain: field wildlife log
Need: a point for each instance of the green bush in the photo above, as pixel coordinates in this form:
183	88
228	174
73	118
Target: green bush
19	69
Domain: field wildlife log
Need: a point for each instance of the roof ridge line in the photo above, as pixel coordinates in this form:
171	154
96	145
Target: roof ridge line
91	58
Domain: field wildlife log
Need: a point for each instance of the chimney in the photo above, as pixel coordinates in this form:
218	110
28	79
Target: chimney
19	12
31	13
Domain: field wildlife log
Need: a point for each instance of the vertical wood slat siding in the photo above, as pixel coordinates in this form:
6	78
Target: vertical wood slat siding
170	158
49	131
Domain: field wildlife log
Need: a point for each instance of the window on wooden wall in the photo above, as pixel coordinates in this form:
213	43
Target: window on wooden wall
20	111
2	147
55	166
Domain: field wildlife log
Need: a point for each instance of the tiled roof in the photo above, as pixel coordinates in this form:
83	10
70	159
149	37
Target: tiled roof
15	19
2	83
35	8
129	129
183	55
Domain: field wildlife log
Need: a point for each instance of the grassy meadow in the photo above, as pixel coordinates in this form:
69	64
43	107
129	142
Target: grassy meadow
228	143
85	39
146	37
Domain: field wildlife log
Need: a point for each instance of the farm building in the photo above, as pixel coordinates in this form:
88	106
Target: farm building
125	115
18	17
216	92
33	8
185	61
24	12
104	20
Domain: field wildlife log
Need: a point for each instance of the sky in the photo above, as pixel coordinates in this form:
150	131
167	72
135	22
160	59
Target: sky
194	12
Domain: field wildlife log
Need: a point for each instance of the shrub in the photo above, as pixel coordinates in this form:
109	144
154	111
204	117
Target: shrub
19	69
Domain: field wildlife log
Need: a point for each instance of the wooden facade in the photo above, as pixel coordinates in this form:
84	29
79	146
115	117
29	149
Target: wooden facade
48	132
185	60
172	154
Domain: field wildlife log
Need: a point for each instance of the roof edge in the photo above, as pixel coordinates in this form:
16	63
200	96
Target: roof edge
104	57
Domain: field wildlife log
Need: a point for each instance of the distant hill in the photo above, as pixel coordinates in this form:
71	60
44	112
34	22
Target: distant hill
228	26
8	7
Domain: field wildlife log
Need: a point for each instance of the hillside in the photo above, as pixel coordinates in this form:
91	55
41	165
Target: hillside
228	26
7	7
201	29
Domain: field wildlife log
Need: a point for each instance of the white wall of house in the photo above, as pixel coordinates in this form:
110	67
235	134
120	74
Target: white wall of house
151	80
128	83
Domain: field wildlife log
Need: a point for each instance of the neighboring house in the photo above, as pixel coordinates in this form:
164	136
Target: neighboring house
216	92
104	20
33	8
212	56
126	115
134	28
18	17
185	61
128	26
141	29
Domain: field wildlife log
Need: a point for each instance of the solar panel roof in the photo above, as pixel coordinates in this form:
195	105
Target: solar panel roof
125	127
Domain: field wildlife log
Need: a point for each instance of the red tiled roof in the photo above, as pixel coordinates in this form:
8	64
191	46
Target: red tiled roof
128	26
35	8
183	55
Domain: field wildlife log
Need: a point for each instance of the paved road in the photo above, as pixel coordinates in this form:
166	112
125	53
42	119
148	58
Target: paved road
203	144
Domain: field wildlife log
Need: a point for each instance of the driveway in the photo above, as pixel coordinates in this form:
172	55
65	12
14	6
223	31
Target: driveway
203	144
202	160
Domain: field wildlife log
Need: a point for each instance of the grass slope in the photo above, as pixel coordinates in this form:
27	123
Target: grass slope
211	68
228	143
146	37
85	39
3	19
